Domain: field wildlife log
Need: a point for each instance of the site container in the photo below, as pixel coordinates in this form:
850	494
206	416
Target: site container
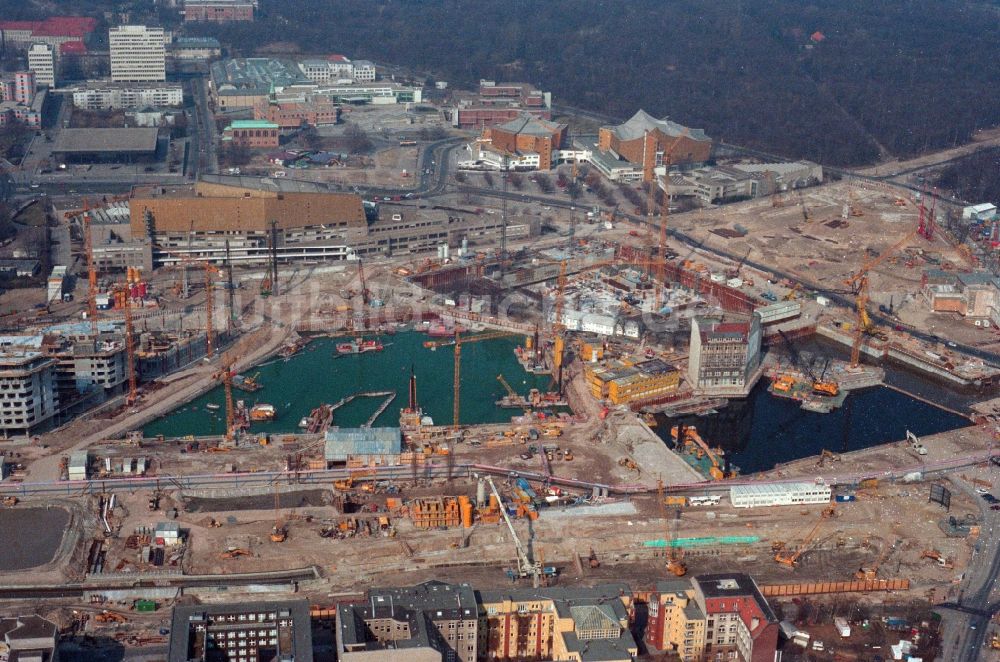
145	605
842	627
845	498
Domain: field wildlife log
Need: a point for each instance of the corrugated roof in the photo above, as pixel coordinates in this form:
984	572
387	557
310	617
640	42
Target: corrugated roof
106	140
252	124
642	122
342	442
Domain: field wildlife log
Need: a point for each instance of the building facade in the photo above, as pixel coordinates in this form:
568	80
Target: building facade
255	134
28	396
430	622
30	639
724	355
497	103
712	618
650	145
42	62
24	87
138	53
218	10
126	96
244	632
60	32
292	115
525	142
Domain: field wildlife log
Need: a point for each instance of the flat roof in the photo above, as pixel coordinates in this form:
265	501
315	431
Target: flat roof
106	140
252	124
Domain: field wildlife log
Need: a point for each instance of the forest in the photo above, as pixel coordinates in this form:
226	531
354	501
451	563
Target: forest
975	178
842	82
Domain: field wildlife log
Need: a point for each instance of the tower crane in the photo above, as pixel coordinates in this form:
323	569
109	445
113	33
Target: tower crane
664	210
278	532
364	285
858	282
458	341
133	394
526	565
88	247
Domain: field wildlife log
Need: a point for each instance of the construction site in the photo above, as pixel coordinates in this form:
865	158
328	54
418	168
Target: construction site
545	471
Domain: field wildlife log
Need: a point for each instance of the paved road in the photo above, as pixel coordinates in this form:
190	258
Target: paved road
966	622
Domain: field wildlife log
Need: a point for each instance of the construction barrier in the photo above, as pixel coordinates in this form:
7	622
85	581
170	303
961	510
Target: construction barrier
703	542
819	588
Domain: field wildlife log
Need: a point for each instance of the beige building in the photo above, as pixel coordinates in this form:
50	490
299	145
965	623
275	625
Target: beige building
138	53
581	624
676	622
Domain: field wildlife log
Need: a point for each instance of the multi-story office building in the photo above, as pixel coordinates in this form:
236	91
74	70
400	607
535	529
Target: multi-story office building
42	62
500	102
138	53
724	356
242	632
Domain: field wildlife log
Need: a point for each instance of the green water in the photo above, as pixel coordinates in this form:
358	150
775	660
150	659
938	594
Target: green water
318	375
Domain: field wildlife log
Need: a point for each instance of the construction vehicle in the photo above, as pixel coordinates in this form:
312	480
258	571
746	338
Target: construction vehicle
10	501
593	560
870	573
790	558
344	485
825	456
234	553
110	617
688	436
675	556
629	464
526	565
783	383
937	557
995	642
279	532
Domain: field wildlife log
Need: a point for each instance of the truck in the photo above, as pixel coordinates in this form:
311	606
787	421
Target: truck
675	500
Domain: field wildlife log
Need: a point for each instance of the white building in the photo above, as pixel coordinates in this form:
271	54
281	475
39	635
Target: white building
779	494
981	212
78	463
28	395
170	532
364	71
42	60
117	96
138	53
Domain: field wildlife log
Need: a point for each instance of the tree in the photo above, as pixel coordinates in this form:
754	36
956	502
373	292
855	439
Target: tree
574	190
358	141
544	183
460	177
310	137
488	178
516	180
235	156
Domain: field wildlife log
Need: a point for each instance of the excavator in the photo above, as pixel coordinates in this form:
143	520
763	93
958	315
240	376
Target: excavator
938	557
234	553
871	573
279	532
689	436
823	386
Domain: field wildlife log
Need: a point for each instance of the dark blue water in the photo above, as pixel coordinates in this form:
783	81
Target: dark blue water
763	430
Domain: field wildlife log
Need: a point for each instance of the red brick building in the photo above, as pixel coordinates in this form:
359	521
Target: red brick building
292	115
501	102
526	136
252	133
648	143
218	10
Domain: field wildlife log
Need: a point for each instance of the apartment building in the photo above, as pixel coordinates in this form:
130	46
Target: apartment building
581	624
712	617
42	62
430	622
724	355
242	632
24	87
28	396
739	624
127	96
138	53
218	11
676	622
